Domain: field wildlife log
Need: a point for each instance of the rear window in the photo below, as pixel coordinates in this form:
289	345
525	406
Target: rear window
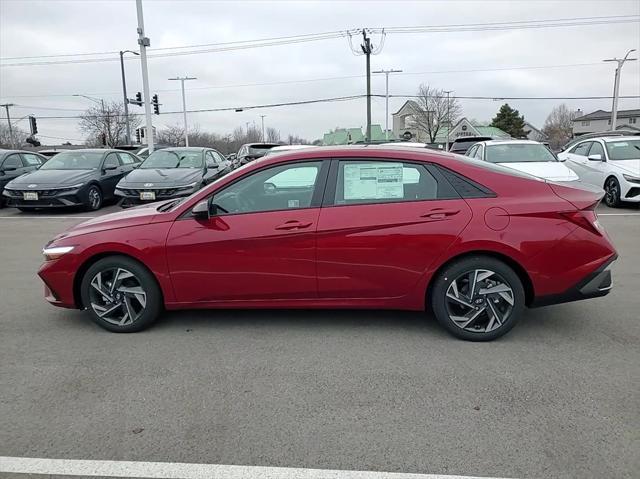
496	168
518	153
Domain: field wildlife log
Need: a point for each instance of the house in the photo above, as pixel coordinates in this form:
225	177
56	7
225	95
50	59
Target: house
600	120
404	127
533	133
348	136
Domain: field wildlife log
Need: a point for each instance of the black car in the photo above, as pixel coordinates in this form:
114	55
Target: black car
252	151
14	163
84	177
172	173
461	145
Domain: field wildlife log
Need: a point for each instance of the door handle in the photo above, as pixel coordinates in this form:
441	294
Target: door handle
440	213
293	225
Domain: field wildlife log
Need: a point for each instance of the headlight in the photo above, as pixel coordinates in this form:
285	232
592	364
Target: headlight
632	179
187	187
55	252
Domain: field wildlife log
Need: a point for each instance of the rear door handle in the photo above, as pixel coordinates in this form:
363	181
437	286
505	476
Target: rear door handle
293	225
440	213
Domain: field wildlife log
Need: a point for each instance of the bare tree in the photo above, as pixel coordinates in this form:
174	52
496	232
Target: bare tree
558	126
431	111
296	140
273	135
107	127
11	141
172	135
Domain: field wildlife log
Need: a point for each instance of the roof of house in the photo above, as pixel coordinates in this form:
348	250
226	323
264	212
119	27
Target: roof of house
343	136
605	115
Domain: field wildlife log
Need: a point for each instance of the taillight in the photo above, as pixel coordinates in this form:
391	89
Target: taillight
586	218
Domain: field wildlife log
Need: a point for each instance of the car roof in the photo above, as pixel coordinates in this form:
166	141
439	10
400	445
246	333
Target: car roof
262	144
185	148
611	139
291	147
510	142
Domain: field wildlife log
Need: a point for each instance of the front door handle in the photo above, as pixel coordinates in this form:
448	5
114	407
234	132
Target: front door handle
438	213
293	225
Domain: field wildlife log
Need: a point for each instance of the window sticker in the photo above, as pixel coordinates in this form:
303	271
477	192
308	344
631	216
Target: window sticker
293	203
373	181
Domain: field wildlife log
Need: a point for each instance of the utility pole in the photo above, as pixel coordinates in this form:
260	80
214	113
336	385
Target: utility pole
262	118
366	48
124	94
386	111
144	42
616	85
6	107
184	107
448	120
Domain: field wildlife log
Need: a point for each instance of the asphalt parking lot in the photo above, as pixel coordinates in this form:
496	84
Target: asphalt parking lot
351	390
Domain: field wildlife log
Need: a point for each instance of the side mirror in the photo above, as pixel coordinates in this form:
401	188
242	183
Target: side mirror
110	167
201	210
595	157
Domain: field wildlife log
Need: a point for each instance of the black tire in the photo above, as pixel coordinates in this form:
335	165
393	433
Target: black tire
94	198
612	192
482	327
146	315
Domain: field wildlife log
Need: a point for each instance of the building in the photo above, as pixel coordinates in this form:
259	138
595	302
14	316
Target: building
348	136
533	133
404	127
600	120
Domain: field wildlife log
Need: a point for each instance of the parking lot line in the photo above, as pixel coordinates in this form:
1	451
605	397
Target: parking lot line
176	470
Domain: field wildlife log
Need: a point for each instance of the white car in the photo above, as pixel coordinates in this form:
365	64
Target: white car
612	163
527	156
282	148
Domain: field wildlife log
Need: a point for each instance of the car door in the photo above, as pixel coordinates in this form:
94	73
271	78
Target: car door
595	170
112	171
224	165
10	168
576	158
259	243
383	223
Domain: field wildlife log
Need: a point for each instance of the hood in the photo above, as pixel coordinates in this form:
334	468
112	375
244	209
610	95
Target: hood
161	177
631	167
52	178
548	170
141	215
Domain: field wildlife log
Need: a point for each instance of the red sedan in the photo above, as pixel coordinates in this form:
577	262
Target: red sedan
348	227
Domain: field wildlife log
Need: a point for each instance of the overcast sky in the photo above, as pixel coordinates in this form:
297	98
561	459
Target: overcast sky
29	28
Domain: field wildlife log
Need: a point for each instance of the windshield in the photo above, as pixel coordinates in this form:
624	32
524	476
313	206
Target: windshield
173	159
518	153
623	150
74	160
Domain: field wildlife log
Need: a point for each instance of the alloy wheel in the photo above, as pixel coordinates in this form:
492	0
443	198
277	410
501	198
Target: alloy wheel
95	199
479	301
612	192
117	296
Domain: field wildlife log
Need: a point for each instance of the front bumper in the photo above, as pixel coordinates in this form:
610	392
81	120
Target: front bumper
596	284
132	197
51	198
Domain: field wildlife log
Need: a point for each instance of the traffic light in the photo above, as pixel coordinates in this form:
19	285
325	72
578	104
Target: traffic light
156	105
138	99
33	125
138	135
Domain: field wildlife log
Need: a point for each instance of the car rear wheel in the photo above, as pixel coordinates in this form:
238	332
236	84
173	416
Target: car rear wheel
121	295
478	298
612	192
94	198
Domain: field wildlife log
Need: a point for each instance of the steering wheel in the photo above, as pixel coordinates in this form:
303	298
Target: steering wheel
240	204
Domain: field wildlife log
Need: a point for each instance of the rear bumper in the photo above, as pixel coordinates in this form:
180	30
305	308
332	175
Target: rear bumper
596	284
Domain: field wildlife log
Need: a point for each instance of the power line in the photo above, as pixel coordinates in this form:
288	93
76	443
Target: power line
344	77
276	41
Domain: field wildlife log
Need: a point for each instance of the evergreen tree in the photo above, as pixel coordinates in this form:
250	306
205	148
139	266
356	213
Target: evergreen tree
510	121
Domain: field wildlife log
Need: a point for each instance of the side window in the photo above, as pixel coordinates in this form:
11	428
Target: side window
472	152
596	149
478	152
126	159
12	162
283	187
581	148
363	182
219	157
111	161
29	159
210	160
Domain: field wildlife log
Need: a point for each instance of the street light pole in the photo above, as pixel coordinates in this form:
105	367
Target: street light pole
6	106
144	42
616	85
448	120
386	114
124	94
262	118
184	107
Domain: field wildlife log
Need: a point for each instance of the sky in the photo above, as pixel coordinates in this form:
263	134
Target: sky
571	56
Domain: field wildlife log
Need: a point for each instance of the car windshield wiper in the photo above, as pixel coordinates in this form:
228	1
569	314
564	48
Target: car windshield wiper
167	206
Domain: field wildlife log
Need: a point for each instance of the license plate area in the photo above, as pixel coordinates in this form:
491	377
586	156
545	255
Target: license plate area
147	195
30	195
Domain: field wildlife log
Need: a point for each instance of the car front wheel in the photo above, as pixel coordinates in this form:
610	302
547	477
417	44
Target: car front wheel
477	298
94	198
612	192
121	295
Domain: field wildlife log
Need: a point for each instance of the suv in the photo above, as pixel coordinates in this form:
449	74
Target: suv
610	162
461	145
